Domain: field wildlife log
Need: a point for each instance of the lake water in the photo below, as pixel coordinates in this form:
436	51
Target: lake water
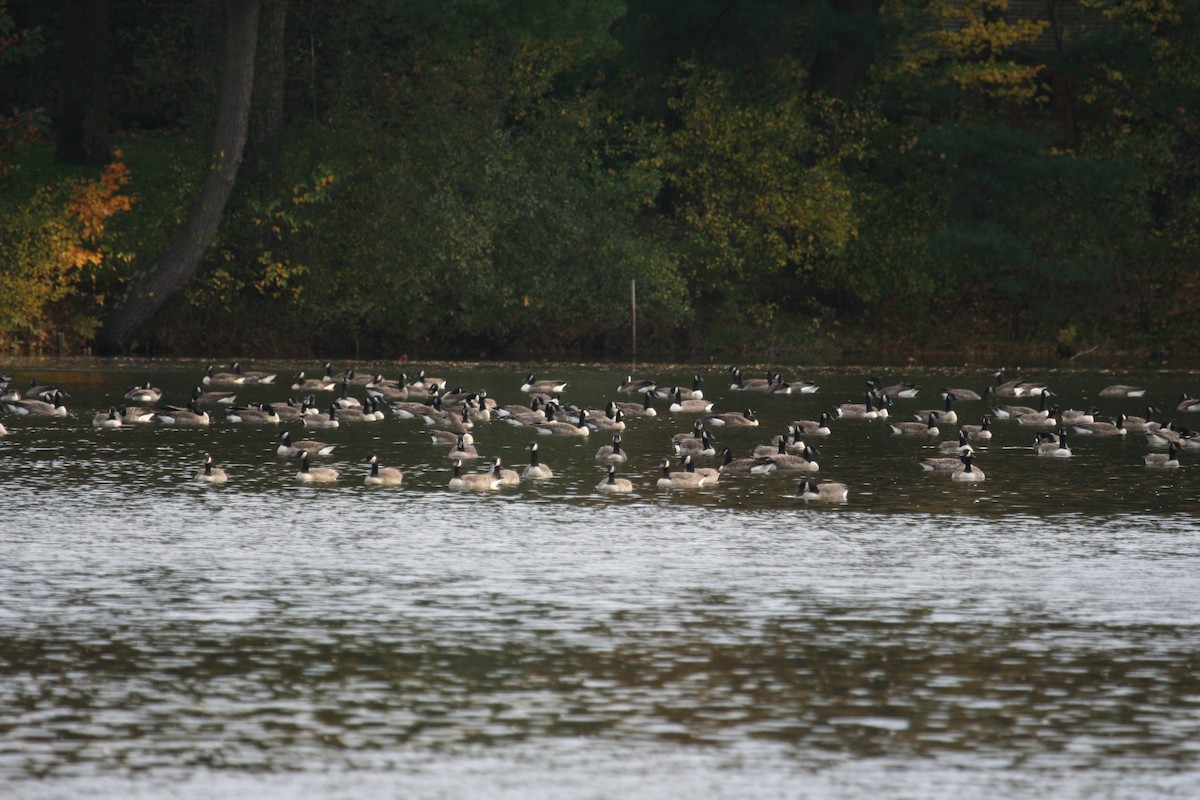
1034	635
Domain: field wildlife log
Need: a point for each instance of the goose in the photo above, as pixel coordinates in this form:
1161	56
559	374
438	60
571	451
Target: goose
556	428
905	391
427	382
317	419
1071	416
630	386
210	474
1136	424
536	470
643	409
201	397
250	376
733	419
695	393
741	384
291	449
37	391
355	378
457	420
463	450
1167	460
926	428
779	444
382	476
1122	390
682	405
709	474
144	394
756	466
190	417
606	423
387	389
107	419
533	386
516	414
964	440
344	400
1055	447
472	481
694	433
809	427
823	492
1167	433
38	408
614	484
947	414
370	413
411	409
326	383
308	474
1012	412
797	387
263	414
287	411
136	415
967	473
1016	387
1040	419
944	463
678	480
806	462
212	378
1115	428
1188	404
3	430
693	446
962	395
982	431
449	438
864	410
612	453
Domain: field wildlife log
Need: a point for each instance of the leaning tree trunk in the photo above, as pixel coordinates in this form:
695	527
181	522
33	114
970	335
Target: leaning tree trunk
150	289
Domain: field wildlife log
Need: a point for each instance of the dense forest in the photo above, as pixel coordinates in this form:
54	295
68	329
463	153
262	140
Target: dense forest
489	178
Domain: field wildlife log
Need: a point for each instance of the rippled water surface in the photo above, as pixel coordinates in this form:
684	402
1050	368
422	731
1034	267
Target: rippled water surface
1035	635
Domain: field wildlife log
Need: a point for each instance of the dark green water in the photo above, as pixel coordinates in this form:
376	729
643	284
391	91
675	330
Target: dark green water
1032	635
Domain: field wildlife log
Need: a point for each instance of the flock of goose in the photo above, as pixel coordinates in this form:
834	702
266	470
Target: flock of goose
453	416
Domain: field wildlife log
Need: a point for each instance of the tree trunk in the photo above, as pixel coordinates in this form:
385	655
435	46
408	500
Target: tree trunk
82	123
150	289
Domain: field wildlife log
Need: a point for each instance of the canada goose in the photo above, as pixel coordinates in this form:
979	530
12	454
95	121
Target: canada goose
506	477
1188	404
536	470
262	414
678	480
905	391
823	492
788	462
733	419
944	463
210	474
144	394
107	419
1122	390
190	417
709	474
1039	419
344	400
630	386
250	376
427	382
370	413
533	386
556	428
763	385
694	433
387	389
1016	388
201	397
292	449
523	415
612	453
695	393
382	476
967	473
642	409
926	428
457	420
1012	412
450	437
756	466
472	481
212	378
327	383
614	484
682	405
956	446
962	395
1115	428
606	423
37	391
702	446
309	474
463	450
1168	432
38	408
817	427
1167	460
316	419
1055	448
983	431
946	415
779	444
796	387
411	409
1070	416
1135	424
870	408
